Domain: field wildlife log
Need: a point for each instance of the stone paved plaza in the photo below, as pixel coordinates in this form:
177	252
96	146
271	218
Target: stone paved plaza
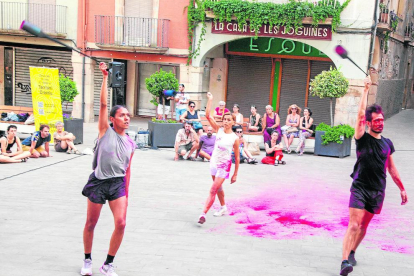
286	220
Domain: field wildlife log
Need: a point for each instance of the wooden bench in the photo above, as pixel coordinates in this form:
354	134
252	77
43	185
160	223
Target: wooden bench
21	127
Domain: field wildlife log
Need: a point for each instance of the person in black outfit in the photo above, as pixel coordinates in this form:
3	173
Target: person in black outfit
374	157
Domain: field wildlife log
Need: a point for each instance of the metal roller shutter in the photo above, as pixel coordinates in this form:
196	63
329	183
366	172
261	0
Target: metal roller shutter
25	58
320	107
138	8
293	88
97	79
249	83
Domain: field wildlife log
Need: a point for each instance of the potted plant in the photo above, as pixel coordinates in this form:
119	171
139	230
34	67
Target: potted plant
68	92
162	132
333	141
331	84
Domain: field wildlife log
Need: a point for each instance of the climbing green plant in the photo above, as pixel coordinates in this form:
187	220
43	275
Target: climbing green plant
257	14
335	134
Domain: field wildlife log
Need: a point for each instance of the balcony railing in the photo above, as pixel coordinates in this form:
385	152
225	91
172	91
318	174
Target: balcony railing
131	31
409	32
50	18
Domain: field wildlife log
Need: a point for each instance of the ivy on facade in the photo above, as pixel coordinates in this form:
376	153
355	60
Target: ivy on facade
257	14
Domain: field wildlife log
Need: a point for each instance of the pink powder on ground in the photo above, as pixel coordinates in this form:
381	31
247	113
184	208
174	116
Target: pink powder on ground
317	210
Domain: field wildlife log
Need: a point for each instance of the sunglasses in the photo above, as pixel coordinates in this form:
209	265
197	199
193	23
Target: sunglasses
192	105
293	108
239	131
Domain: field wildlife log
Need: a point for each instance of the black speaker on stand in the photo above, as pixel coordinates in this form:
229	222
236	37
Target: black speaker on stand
117	82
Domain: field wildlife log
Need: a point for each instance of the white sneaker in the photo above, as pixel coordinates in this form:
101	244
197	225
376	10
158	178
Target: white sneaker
87	267
220	212
108	270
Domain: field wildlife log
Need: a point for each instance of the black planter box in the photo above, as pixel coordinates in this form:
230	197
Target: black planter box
332	149
75	126
163	134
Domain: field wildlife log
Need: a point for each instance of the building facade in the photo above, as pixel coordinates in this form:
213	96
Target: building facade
19	51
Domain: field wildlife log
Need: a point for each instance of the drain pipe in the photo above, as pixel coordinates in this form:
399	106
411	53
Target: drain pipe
373	34
83	88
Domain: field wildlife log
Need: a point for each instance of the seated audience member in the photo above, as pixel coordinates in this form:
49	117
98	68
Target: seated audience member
220	110
255	123
191	115
207	144
238	115
305	129
7	142
64	140
271	122
34	144
163	109
186	141
274	152
292	120
244	152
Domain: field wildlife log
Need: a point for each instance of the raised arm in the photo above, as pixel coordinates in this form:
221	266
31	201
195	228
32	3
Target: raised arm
360	122
103	124
396	177
210	119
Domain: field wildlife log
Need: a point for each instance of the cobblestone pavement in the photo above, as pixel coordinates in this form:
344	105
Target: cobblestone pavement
286	220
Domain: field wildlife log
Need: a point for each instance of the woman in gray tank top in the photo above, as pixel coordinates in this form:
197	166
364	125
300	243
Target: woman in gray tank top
110	178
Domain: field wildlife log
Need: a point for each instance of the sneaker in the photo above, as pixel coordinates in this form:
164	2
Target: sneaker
87	267
202	219
276	163
346	268
69	151
180	157
220	212
351	258
108	270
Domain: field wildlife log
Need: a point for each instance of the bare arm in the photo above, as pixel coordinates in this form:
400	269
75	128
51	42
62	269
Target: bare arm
237	159
360	122
128	176
19	147
210	119
103	124
268	149
264	123
277	121
296	124
397	180
3	142
257	120
47	148
182	117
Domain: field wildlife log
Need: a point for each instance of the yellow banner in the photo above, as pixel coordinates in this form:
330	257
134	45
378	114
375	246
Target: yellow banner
47	104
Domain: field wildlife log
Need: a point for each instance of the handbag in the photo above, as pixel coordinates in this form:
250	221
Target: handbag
253	148
285	127
292	129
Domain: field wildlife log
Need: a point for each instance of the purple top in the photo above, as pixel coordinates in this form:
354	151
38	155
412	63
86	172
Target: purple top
269	121
208	143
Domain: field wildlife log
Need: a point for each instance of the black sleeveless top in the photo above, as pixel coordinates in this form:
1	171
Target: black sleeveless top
11	144
304	122
189	116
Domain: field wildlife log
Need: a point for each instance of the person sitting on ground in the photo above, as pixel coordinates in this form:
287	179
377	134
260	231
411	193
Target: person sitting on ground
305	129
292	120
191	115
181	101
7	142
64	140
163	109
274	152
34	144
271	122
244	152
238	115
255	123
220	110
186	141
206	146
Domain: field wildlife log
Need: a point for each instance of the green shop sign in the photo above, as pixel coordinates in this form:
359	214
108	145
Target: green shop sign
274	46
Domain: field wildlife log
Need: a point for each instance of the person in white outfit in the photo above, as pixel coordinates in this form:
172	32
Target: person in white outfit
220	162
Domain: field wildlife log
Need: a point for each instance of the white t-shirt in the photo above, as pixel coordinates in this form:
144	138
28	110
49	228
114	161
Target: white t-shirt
221	157
182	97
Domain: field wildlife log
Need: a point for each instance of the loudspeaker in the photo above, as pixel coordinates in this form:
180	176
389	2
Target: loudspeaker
116	74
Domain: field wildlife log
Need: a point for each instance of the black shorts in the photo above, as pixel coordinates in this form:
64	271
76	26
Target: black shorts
99	191
369	200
